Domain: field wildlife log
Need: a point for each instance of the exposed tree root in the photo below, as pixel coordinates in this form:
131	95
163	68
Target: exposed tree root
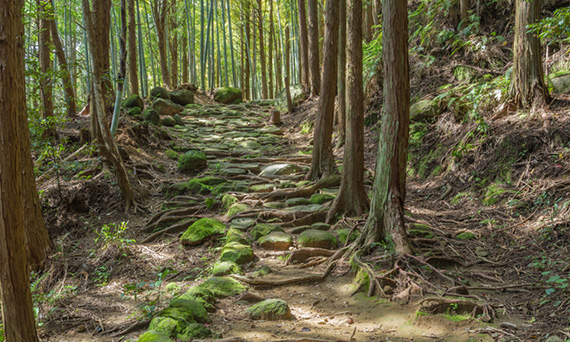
374	284
289	219
171	215
176	228
302	159
300	255
131	328
325	182
484	312
296	280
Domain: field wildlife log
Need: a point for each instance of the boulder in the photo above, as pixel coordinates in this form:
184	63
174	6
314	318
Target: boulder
154	336
298	95
276	241
168	121
223	287
178	119
237	208
317	239
166	107
236	252
222	268
228	95
270	310
279	170
291	202
151	115
135	111
192	161
159	93
202	230
424	110
182	97
560	82
262	229
133	101
238	236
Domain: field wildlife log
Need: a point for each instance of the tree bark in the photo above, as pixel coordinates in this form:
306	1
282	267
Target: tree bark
323	160
133	73
247	70
341	82
288	71
160	13
173	33
185	60
17	309
314	60
264	91
527	88
463	13
304	45
270	52
46	66
386	219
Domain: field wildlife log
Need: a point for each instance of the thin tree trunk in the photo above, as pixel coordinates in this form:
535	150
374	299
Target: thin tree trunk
323	160
122	69
231	34
17	309
226	67
304	45
288	71
314	60
368	32
185	61
278	65
133	76
173	48
270	44
202	43
247	71
527	88
386	219
160	13
463	13
341	82
264	91
142	65
46	66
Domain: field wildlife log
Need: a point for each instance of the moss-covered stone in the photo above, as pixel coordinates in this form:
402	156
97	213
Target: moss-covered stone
191	307
297	201
342	234
133	101
154	336
466	236
237	253
178	119
166	107
136	111
203	185
222	268
262	271
202	230
168	326
182	97
276	241
424	110
151	116
223	286
242	224
298	94
201	295
192	161
274	205
228	95
168	121
420	230
228	200
159	93
321	198
195	331
230	186
237	208
235	235
318	239
279	170
270	310
171	154
321	226
262	229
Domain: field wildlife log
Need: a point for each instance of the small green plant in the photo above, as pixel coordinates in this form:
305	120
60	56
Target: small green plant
113	234
102	275
306	127
152	292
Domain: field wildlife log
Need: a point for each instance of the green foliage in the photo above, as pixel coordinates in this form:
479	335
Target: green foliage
113	234
45	303
372	57
151	291
555	28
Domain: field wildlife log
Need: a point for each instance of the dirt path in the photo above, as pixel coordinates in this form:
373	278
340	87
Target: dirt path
254	184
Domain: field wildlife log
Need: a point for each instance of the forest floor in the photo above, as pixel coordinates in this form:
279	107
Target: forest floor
106	289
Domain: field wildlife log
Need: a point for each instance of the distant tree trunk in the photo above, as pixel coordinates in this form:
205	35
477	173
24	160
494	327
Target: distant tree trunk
106	144
386	219
46	66
377	12
341	82
527	88
323	160
463	13
278	65
65	69
101	10
133	75
247	39
122	69
173	32
264	91
304	45
314	60
352	199
270	44
160	13
185	60
288	71
17	309
368	22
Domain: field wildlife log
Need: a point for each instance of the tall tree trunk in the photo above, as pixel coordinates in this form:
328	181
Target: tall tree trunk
185	61
173	32
270	44
106	144
386	219
101	10
341	82
231	34
352	199
304	45
17	309
133	74
323	159
463	13
368	22
264	92
65	68
288	71
314	60
247	38
122	69
278	65
160	13
46	65
527	86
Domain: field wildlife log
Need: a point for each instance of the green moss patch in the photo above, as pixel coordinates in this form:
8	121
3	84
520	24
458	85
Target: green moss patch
237	253
202	230
154	336
195	331
222	268
192	162
466	236
321	198
318	239
222	287
171	154
276	241
191	307
420	230
342	234
296	201
270	310
235	235
228	200
237	208
262	229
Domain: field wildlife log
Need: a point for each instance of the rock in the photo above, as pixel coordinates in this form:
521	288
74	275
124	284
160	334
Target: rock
420	230
424	110
222	268
178	119
223	287
237	208
279	170
202	230
135	111
262	229
560	82
168	326
274	205
242	224
171	154
321	198
195	331
133	101
151	115
203	185
298	95
192	161
203	296
321	226
262	271
159	93
554	339
270	310
310	208
276	241
236	252
228	95
154	336
297	201
182	97
466	236
168	121
342	234
480	251
166	107
191	307
317	239
235	235
228	200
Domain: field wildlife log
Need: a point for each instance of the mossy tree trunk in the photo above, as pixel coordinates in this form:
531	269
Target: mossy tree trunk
386	219
527	88
17	309
323	160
